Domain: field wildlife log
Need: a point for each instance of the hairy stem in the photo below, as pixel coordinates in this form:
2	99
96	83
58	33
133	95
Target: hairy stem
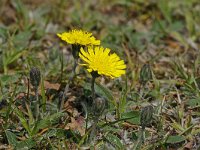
37	104
93	129
74	68
92	88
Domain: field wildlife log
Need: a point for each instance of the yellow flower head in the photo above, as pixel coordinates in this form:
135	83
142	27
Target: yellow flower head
98	59
79	37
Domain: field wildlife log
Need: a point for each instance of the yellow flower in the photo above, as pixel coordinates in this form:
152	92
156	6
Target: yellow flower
79	37
98	59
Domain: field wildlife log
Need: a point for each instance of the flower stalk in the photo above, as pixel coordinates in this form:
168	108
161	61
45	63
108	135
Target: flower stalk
37	106
94	76
75	53
99	106
35	79
61	100
92	88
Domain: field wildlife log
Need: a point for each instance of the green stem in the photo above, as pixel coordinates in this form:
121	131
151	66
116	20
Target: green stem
142	135
62	66
86	115
92	88
5	69
93	129
30	114
98	111
118	111
75	53
74	68
37	105
1	88
114	122
61	100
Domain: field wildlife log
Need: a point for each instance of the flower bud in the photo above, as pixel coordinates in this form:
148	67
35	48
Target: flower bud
145	74
35	76
60	100
3	103
99	105
146	116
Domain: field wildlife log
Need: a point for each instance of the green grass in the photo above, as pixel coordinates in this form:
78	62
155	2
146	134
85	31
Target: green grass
163	34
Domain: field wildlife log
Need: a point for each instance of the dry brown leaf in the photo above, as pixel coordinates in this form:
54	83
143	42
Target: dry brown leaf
7	147
76	125
48	85
189	145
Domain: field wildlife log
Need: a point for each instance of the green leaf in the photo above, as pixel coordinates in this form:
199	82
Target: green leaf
21	40
26	144
111	129
13	57
114	140
190	22
175	139
56	132
11	137
43	95
194	102
47	122
7	79
21	10
22	119
3	32
135	115
165	9
134	136
103	91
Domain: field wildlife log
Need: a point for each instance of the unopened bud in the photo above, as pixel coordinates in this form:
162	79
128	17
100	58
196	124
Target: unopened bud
3	103
99	105
146	116
35	77
145	74
60	100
